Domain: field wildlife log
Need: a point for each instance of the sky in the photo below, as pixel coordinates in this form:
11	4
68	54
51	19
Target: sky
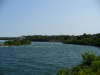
49	17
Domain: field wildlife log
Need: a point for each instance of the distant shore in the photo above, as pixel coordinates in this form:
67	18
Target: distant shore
85	39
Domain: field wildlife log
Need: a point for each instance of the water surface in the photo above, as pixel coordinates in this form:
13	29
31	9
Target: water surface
41	58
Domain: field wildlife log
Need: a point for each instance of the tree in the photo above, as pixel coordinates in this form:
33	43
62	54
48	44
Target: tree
89	66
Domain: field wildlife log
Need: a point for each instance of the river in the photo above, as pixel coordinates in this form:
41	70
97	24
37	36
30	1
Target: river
41	58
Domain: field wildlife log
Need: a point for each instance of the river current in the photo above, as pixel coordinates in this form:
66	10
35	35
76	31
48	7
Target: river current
41	58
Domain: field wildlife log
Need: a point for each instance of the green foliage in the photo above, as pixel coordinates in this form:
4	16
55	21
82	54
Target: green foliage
16	42
24	42
85	39
88	58
64	72
47	38
61	72
89	66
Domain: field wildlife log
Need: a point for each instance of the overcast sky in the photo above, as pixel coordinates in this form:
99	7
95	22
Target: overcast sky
49	17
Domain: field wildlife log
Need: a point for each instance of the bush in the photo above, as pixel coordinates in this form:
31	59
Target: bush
89	66
16	42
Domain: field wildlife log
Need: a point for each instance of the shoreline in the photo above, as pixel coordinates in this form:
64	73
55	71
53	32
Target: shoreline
51	42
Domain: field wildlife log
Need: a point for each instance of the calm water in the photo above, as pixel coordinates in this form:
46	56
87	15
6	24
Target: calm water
41	58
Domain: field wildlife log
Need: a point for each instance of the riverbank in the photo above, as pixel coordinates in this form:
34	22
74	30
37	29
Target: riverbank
85	39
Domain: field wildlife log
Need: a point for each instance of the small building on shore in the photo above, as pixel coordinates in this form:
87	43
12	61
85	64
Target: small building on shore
20	38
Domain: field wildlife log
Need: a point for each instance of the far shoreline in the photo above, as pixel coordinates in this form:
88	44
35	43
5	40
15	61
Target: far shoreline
1	45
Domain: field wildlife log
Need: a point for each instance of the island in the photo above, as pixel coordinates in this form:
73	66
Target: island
16	43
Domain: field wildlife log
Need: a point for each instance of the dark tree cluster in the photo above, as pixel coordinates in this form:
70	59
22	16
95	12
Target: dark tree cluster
16	42
40	38
85	39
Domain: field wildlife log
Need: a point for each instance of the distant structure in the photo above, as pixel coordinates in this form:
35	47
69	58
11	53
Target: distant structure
20	38
61	33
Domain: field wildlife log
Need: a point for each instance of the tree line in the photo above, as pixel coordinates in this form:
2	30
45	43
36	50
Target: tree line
85	39
46	38
7	38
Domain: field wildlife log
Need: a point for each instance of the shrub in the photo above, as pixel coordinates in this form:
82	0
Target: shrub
89	66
